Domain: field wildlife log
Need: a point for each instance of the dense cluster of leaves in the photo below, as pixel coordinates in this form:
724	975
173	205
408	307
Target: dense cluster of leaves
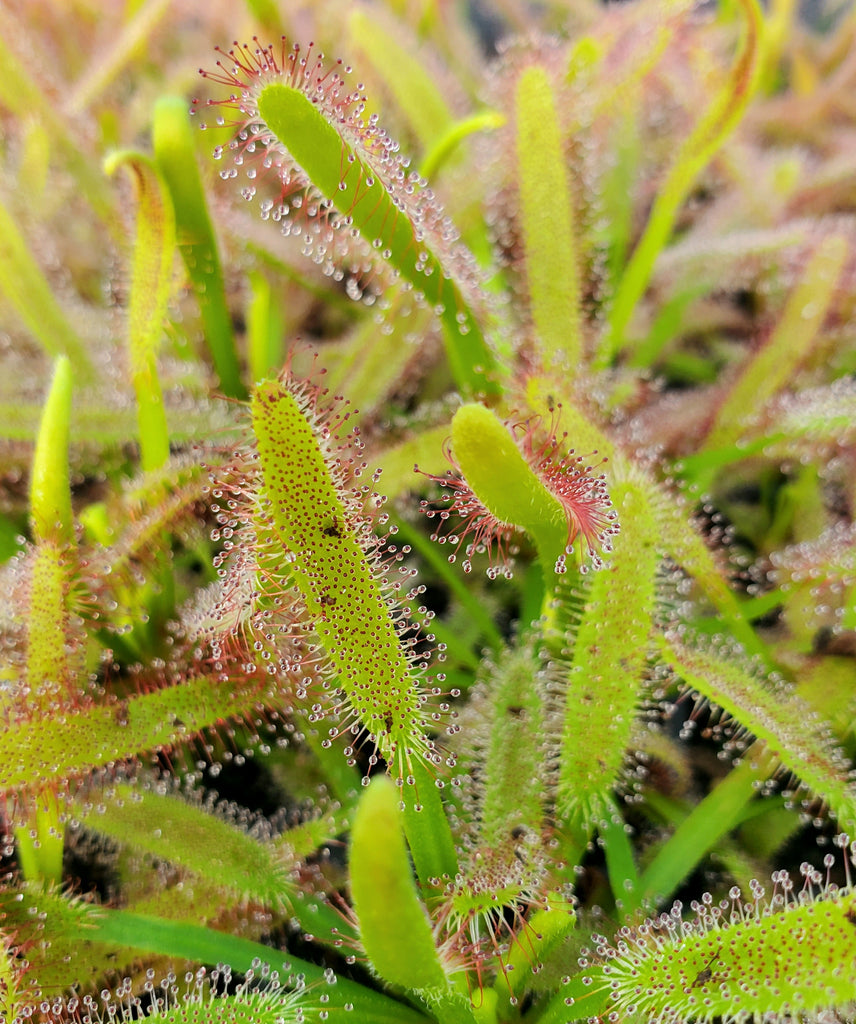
337	736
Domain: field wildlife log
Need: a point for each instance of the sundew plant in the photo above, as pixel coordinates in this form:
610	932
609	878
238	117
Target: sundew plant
427	512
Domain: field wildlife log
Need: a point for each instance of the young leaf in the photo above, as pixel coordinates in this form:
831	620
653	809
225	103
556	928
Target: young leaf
151	280
394	927
176	160
508	481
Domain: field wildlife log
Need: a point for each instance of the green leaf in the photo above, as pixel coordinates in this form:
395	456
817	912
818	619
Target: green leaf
551	249
497	472
794	336
176	159
151	286
316	523
179	832
413	88
50	487
394	927
35	752
604	683
772	712
390	222
707	137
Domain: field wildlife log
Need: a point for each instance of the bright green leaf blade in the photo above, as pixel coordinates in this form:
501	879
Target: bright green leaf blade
176	159
394	927
787	347
50	486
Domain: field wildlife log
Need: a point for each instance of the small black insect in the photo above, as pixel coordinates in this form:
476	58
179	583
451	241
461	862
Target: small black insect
706	975
333	529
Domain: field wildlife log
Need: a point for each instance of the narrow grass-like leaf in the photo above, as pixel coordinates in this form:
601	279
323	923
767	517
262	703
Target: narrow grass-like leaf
711	819
130	43
550	244
620	861
32	298
176	159
34	164
484	121
711	131
427	828
100	429
787	347
784	723
151	280
265	328
374	360
617	188
98	932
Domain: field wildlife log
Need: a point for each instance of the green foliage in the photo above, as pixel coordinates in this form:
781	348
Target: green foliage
462	732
